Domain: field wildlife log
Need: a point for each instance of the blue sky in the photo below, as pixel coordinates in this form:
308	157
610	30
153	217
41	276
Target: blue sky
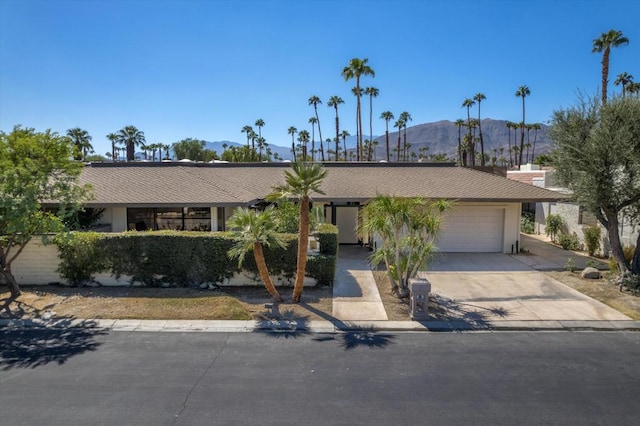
204	69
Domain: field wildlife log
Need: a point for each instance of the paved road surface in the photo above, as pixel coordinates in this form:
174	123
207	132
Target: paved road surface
87	377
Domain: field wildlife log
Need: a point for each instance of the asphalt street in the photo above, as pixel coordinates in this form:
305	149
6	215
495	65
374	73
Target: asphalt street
85	376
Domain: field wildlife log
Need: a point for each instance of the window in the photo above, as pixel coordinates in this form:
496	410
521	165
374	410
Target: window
176	218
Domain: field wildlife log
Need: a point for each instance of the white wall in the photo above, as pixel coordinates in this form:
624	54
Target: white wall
37	264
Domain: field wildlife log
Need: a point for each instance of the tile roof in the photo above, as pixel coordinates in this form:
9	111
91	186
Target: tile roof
196	184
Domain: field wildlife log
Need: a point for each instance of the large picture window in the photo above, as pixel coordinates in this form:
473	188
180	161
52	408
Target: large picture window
176	218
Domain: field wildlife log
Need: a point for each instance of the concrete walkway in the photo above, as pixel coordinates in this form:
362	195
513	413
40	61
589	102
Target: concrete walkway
543	256
355	294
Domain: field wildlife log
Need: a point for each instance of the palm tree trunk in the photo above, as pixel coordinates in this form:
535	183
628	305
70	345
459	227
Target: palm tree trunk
303	241
387	141
315	107
370	125
337	133
481	140
399	142
258	255
605	74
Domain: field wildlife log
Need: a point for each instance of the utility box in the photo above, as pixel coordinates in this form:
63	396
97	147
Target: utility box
419	289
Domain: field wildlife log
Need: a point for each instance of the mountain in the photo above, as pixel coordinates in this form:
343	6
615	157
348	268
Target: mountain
442	137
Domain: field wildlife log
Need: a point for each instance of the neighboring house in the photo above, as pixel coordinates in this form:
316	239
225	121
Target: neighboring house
203	196
575	217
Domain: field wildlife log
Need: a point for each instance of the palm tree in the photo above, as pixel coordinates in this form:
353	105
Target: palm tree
357	92
303	180
373	93
313	122
130	137
522	92
603	44
387	116
509	127
634	88
247	129
314	100
114	139
82	141
259	124
344	135
460	122
405	117
303	138
292	131
468	103
536	127
356	69
252	230
479	97
399	125
623	79
334	101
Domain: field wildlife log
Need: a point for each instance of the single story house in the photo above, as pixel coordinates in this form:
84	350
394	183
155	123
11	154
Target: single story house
202	196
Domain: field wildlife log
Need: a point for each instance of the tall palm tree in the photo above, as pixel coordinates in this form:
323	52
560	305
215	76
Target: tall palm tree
405	117
259	124
344	135
313	122
292	131
252	230
522	92
358	68
398	124
82	141
387	116
248	130
357	92
334	101
468	103
314	100
603	44
509	127
114	139
373	93
479	97
303	138
623	79
130	137
300	183
459	122
536	127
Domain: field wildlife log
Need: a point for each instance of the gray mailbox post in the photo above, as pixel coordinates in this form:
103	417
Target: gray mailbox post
419	289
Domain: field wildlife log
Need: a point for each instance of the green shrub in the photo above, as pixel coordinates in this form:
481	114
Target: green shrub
526	224
327	236
632	283
570	265
553	226
322	267
592	239
169	257
569	241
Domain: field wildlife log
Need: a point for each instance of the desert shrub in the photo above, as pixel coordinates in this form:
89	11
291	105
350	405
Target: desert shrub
569	241
526	224
592	239
628	252
553	226
570	265
632	283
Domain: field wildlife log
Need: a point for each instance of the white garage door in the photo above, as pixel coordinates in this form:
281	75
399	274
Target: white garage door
472	229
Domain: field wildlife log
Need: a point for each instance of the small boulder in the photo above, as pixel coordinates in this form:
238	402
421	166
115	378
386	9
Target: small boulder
590	273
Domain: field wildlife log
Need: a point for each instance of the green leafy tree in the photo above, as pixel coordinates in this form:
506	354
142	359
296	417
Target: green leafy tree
596	152
34	166
193	149
603	44
301	182
253	230
130	137
82	141
522	92
406	229
356	69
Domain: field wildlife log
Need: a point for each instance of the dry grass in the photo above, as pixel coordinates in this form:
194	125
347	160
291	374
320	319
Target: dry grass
601	290
159	303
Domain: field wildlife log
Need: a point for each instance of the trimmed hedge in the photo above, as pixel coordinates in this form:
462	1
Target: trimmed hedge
327	236
177	257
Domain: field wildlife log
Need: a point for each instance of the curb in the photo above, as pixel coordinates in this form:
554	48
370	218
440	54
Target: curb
301	326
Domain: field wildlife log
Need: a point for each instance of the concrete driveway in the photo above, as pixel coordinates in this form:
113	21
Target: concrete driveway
494	287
